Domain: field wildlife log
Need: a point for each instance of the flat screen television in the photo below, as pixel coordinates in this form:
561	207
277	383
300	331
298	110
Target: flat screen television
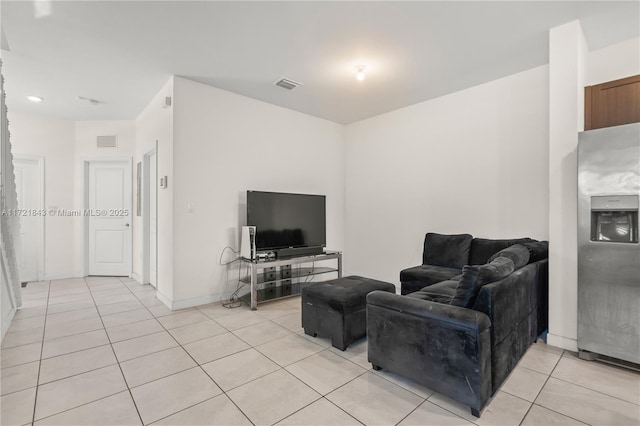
287	224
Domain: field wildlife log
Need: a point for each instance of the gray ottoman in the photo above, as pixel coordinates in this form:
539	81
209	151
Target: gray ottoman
337	309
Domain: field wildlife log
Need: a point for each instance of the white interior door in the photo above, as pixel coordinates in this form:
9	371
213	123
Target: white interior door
109	218
29	186
153	222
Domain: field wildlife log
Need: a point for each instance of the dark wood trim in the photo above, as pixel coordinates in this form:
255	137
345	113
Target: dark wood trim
587	108
612	103
620	82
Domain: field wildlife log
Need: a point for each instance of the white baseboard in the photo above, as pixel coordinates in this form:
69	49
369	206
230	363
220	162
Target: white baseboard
562	342
196	301
136	277
63	276
6	323
164	299
188	303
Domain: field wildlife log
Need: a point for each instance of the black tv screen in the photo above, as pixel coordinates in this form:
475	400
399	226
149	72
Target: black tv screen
287	220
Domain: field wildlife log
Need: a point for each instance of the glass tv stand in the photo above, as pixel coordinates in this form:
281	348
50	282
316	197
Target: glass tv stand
278	278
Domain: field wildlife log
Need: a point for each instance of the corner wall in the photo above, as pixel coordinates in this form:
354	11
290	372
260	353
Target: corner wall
65	145
53	139
475	161
154	128
571	69
226	144
567	68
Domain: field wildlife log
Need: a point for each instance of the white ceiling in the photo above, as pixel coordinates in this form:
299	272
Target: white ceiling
122	52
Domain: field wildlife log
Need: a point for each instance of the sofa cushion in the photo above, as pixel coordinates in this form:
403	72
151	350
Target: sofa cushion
413	279
482	249
475	276
518	253
450	251
537	251
441	292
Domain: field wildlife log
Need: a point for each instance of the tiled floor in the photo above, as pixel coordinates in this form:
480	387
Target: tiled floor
106	351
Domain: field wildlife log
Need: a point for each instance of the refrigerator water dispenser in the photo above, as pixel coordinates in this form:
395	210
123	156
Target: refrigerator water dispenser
614	219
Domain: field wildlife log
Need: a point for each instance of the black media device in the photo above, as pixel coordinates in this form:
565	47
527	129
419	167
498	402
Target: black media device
288	224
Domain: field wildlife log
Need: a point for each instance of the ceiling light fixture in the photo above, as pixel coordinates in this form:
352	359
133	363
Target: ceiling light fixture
35	98
360	74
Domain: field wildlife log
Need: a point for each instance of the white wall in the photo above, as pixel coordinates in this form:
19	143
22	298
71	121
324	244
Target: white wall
65	145
613	62
155	125
224	145
86	133
475	161
567	68
54	139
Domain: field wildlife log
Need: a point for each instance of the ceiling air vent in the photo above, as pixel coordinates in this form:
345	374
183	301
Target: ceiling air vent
285	83
107	141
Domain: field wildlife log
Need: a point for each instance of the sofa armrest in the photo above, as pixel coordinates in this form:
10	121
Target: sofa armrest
513	305
445	348
462	318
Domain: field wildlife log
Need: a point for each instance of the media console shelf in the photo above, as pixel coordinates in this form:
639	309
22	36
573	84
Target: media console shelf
278	278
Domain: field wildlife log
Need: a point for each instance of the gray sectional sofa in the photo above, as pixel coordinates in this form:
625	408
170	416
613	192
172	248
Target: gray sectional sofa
461	335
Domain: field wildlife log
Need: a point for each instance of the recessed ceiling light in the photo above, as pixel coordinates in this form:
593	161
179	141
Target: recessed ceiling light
35	98
360	74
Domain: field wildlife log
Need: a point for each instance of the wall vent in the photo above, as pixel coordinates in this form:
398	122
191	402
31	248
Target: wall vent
285	83
107	141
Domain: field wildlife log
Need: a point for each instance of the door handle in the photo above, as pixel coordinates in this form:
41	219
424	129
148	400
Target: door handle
126	224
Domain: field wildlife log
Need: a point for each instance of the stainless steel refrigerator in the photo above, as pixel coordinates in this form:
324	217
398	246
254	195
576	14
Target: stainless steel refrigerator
608	249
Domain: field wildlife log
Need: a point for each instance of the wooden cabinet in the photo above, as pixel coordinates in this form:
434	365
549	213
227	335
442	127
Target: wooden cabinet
612	104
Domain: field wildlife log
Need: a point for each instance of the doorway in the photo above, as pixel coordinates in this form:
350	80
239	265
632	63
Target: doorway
29	179
150	217
108	217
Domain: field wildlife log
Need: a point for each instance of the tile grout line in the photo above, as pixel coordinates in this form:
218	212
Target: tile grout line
79	350
198	365
321	396
44	330
279	366
327	349
298	379
284	368
109	343
412	411
74	375
559	413
117	361
201	402
341	409
588	389
250	347
541	389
